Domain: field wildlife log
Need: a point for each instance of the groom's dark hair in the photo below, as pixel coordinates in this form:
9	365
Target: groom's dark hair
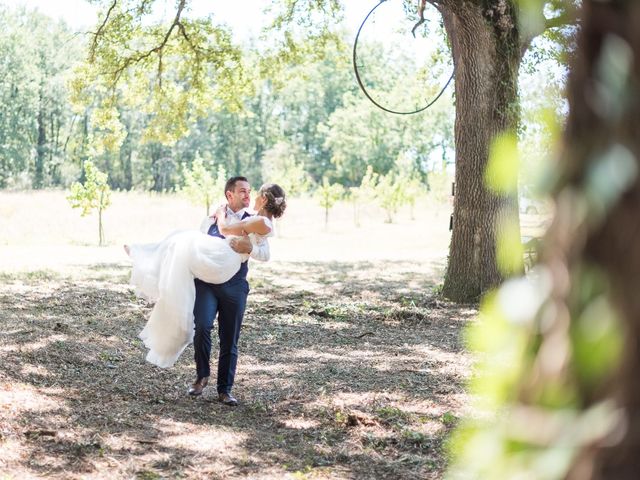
231	183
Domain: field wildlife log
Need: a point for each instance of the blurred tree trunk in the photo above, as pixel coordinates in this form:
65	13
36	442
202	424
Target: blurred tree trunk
162	167
41	147
125	159
55	124
599	175
486	53
84	145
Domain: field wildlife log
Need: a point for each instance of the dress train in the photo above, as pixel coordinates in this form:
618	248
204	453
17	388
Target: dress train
164	273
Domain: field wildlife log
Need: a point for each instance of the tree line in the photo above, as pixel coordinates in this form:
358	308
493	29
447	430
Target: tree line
305	126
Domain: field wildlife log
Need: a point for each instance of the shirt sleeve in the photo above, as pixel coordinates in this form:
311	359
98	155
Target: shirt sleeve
260	251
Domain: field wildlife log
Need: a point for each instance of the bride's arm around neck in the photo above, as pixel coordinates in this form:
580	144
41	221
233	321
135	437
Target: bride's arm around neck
256	224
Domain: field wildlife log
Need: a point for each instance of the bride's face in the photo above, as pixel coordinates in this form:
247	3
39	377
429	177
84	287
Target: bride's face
259	202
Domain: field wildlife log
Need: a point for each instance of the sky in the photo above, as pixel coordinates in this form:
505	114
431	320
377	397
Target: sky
388	23
80	14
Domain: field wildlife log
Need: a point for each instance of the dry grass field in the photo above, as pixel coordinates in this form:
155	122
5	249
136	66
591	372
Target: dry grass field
350	365
40	230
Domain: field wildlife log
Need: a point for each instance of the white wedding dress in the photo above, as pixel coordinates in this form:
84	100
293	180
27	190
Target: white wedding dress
163	274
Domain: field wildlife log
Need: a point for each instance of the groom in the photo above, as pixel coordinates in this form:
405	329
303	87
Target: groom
227	300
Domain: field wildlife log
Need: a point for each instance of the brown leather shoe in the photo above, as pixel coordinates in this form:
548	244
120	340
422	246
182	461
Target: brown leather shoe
197	388
228	399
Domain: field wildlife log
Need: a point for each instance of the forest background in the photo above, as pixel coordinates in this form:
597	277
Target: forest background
305	126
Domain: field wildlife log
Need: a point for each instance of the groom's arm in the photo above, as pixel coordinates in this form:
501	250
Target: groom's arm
259	252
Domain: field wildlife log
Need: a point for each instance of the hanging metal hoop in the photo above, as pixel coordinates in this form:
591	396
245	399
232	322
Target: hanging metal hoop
363	88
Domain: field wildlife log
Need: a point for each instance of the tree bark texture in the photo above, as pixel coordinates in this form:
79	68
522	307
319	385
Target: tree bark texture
486	55
604	120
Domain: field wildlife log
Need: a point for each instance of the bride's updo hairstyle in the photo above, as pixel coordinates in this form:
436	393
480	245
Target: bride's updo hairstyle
276	202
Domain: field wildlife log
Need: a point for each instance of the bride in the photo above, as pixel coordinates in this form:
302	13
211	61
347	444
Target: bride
163	273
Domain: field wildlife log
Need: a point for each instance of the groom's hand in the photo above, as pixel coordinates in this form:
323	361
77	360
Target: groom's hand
241	244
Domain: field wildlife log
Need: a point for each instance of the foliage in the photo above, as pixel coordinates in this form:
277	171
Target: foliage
359	134
551	26
93	194
35	119
200	186
554	347
541	435
299	34
363	194
391	194
413	189
501	175
408	178
439	185
309	103
284	164
544	108
172	69
328	194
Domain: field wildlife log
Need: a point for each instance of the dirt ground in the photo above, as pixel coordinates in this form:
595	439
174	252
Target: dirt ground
348	377
350	365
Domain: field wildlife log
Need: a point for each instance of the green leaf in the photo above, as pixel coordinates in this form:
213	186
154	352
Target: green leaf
501	175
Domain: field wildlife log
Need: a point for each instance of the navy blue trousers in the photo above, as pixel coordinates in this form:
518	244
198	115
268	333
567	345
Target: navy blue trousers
228	300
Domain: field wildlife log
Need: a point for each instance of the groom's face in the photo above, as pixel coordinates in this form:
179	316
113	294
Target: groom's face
240	196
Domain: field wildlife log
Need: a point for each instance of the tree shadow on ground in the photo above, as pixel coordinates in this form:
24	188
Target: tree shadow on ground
351	370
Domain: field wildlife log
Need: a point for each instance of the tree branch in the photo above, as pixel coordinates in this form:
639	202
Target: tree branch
66	142
568	17
158	49
97	33
561	20
183	31
421	7
142	8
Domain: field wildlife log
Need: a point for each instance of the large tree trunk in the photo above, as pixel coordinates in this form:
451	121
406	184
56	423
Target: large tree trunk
486	54
603	130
